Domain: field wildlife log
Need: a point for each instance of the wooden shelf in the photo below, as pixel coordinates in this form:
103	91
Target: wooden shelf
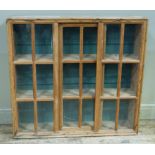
111	93
111	58
44	59
23	59
24	95
89	58
130	59
44	95
127	94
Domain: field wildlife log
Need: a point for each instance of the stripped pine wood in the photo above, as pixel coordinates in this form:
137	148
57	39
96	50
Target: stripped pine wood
58	94
34	77
98	77
119	74
56	77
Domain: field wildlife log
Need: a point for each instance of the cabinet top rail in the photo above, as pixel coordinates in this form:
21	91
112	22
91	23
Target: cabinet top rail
74	19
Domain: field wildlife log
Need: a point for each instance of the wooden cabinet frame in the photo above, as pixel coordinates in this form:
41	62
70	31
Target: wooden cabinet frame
58	61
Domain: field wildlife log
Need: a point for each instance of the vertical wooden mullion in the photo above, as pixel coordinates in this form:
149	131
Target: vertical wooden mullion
81	76
34	77
140	75
119	74
56	76
61	77
12	78
98	77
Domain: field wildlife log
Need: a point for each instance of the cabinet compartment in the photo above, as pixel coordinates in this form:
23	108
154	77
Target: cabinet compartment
70	113
45	116
26	116
24	84
44	81
43	41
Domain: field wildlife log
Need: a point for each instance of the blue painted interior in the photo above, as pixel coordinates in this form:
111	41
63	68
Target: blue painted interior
22	38
44	77
43	39
24	77
90	40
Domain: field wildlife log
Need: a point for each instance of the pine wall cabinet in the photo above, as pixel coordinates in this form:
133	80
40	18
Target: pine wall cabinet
76	76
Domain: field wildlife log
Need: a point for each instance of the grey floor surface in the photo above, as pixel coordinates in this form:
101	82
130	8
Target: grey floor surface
146	136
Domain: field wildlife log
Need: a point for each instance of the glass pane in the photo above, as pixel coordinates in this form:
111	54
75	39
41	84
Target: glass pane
70	113
71	40
24	85
90	40
45	116
89	79
22	38
43	39
112	40
44	81
88	112
71	79
26	116
126	114
110	79
108	114
132	38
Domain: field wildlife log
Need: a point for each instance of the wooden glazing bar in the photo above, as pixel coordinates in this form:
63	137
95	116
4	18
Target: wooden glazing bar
119	74
61	77
12	78
34	77
140	75
56	76
81	76
98	77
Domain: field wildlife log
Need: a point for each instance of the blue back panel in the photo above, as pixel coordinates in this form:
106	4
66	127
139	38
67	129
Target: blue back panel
71	40
89	76
24	77
43	39
90	40
71	76
22	38
45	77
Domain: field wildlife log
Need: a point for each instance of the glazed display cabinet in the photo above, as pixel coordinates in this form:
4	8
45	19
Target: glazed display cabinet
76	77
